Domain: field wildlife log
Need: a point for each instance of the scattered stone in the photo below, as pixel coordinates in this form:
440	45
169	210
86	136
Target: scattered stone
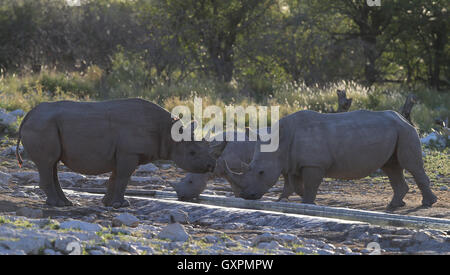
26	177
66	244
4	178
443	188
178	216
125	219
165	166
265	237
211	239
30	213
421	236
273	245
304	250
174	232
28	244
49	251
6	120
17	113
147	168
80	225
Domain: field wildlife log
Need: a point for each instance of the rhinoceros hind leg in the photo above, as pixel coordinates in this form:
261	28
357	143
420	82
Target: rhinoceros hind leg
398	183
106	200
409	156
46	183
58	189
312	177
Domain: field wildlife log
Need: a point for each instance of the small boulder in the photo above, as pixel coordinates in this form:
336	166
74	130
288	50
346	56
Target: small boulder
30	245
125	219
147	168
80	225
421	236
17	113
30	213
174	232
6	120
4	178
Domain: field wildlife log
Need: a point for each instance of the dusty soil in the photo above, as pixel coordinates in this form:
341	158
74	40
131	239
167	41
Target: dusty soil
370	193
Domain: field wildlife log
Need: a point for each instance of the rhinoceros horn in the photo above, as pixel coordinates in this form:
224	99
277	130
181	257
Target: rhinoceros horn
234	176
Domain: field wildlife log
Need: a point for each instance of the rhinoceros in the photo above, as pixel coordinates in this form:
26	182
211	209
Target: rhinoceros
109	136
343	146
236	154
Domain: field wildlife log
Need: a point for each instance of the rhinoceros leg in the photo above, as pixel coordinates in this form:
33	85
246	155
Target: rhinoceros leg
46	183
409	155
109	189
312	177
125	167
292	183
398	183
58	189
288	189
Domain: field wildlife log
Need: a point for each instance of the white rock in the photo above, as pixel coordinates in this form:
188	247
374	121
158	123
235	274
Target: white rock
304	250
125	219
30	213
178	216
17	113
80	225
26	177
271	245
211	239
49	251
174	232
165	166
147	168
421	236
288	238
30	245
265	237
4	178
67	244
6	120
71	177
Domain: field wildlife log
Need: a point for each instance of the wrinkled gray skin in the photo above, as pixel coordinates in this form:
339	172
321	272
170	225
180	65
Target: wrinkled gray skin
99	137
342	146
236	154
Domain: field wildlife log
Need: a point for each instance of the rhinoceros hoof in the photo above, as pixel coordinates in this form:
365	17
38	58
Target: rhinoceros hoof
428	202
58	202
117	203
395	205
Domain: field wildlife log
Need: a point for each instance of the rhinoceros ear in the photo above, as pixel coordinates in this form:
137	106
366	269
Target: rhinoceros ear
216	148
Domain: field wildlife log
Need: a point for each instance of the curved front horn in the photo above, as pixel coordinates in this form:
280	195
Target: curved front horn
233	176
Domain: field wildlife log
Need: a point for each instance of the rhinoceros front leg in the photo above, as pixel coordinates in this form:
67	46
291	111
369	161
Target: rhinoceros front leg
312	177
292	183
125	167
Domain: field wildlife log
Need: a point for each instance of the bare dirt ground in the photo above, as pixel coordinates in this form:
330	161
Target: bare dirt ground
370	193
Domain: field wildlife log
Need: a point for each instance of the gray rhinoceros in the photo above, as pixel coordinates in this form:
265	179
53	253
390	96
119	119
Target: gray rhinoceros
343	146
236	154
98	137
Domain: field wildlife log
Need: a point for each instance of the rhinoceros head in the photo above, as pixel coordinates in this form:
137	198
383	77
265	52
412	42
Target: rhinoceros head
193	156
257	178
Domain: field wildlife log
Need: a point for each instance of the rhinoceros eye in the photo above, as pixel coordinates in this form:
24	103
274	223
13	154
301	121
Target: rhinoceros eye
261	172
192	153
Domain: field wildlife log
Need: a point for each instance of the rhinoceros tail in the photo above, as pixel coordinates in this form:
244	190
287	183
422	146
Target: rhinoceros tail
19	158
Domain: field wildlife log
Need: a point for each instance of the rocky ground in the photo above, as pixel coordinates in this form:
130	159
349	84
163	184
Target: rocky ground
157	226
